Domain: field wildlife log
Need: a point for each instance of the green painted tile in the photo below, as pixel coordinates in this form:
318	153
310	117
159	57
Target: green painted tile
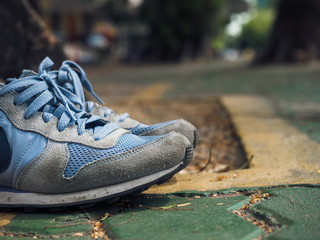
297	209
294	209
48	224
203	219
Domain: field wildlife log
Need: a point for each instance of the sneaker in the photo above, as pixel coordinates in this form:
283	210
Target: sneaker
53	154
72	77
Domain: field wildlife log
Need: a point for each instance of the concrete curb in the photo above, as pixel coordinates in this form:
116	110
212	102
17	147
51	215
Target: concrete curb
279	153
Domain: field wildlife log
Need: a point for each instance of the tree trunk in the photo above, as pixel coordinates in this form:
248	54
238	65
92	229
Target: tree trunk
295	35
178	30
24	40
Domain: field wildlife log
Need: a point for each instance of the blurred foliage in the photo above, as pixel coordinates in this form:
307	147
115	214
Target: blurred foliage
267	4
218	43
116	10
255	33
180	29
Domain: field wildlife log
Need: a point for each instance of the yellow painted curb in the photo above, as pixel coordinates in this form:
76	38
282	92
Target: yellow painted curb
5	218
280	153
273	142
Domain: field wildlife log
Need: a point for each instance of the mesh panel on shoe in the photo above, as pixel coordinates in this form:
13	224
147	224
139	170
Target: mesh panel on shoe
80	155
141	128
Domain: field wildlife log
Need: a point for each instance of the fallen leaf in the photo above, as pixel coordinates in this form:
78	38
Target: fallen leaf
167	207
79	234
256	196
218	204
98	224
221	168
106	215
220	178
183	204
244	207
255	200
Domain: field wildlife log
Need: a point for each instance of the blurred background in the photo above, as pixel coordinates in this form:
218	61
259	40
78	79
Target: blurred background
138	31
166	59
162	31
188	48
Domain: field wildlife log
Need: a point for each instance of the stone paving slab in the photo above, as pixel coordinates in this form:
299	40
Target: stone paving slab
295	209
286	213
279	212
161	218
45	224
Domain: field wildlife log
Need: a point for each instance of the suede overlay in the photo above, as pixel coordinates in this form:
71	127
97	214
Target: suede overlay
180	126
45	173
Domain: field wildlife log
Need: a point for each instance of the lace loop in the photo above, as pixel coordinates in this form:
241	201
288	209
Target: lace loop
72	72
41	93
72	77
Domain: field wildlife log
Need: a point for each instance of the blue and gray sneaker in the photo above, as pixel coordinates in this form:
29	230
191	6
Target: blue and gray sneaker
53	154
72	77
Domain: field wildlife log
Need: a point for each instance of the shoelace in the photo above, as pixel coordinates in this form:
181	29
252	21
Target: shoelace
72	77
108	111
41	93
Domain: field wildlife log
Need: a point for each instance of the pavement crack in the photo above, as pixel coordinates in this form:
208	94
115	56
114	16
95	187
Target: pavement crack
35	236
226	195
265	223
125	222
64	225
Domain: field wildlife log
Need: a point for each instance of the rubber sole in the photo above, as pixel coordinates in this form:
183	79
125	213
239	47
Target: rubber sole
195	139
14	199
